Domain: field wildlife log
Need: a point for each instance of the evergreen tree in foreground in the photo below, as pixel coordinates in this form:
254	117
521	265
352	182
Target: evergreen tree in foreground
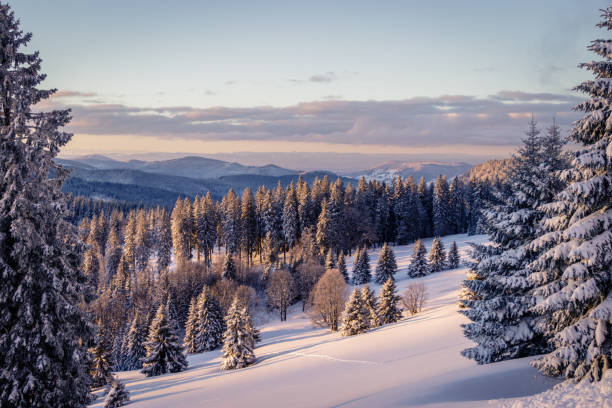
453	256
572	273
418	262
100	363
191	328
229	268
117	395
437	256
238	339
386	267
209	323
361	268
43	334
355	317
370	306
388	310
164	353
136	338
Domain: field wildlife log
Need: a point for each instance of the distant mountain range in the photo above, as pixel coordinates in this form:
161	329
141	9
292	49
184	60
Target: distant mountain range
428	169
161	182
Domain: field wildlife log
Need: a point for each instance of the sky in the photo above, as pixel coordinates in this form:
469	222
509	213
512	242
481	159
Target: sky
455	80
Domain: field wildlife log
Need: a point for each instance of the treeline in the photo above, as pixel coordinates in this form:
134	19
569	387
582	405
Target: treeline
80	207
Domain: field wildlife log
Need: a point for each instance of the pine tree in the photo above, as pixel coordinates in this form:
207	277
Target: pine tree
291	222
180	236
370	306
229	268
191	328
453	256
418	262
342	267
209	322
43	334
324	232
572	272
117	395
441	208
163	232
437	256
388	310
238	340
355	317
136	338
164	353
143	241
329	260
361	268
249	223
100	362
386	267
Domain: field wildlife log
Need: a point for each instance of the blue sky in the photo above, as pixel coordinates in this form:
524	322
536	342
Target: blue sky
141	56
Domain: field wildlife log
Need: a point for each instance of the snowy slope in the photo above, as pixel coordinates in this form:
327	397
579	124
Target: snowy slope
414	362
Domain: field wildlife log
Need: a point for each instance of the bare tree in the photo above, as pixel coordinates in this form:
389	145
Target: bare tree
280	291
328	299
307	275
414	298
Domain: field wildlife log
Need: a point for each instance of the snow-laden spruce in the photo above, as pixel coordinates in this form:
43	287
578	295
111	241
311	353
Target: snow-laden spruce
117	395
135	350
573	273
238	339
209	322
502	325
229	267
418	262
437	256
361	269
341	266
164	353
43	334
453	256
100	369
388	309
191	328
386	266
355	319
371	305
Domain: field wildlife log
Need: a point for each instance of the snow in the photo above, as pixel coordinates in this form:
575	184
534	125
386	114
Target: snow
413	362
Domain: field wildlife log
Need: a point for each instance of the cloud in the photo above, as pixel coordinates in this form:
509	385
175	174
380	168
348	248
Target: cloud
323	78
73	94
497	120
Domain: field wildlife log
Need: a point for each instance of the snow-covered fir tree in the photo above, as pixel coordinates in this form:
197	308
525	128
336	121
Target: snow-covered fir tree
388	309
572	273
136	337
100	371
117	395
210	324
437	256
291	220
502	325
329	260
238	339
386	266
191	328
43	334
164	352
341	266
361	268
442	222
355	319
229	267
418	261
370	305
453	256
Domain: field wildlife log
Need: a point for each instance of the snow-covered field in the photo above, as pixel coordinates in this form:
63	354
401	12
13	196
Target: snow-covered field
415	362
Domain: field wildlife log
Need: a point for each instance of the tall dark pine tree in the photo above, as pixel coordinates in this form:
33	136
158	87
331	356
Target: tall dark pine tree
100	362
572	273
442	223
453	256
136	338
418	262
502	325
209	323
437	256
386	266
361	267
43	352
341	266
388	309
164	353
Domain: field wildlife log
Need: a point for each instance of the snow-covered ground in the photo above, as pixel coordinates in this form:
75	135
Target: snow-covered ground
414	362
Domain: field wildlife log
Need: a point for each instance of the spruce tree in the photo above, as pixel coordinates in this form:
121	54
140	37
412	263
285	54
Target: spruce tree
442	221
437	256
453	256
370	306
229	268
361	268
100	362
387	266
43	334
209	324
164	353
418	262
329	260
117	395
572	273
290	216
136	338
355	317
191	328
342	267
388	310
238	339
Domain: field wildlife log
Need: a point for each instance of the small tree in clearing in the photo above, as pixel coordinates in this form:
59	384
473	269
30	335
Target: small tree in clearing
117	395
437	256
229	268
238	339
414	298
418	262
355	318
164	353
280	291
386	267
328	298
453	256
387	308
371	305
